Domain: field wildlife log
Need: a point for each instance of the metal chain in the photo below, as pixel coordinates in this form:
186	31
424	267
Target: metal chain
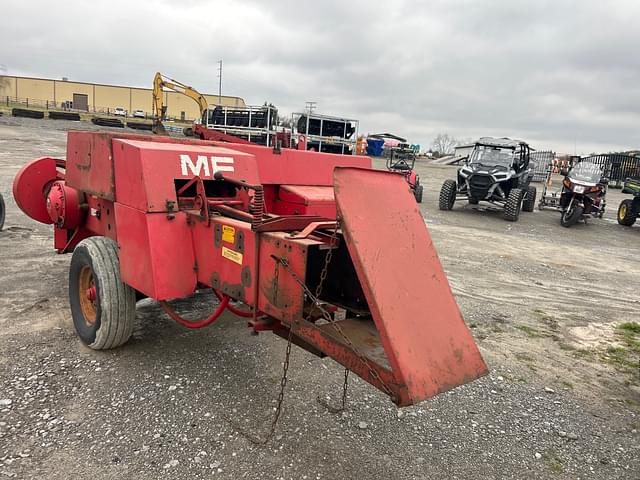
253	438
327	317
343	403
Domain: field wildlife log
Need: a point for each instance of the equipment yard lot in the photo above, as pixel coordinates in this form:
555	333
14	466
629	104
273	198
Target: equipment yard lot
544	302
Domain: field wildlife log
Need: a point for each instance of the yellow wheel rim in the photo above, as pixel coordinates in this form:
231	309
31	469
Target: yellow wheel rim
622	212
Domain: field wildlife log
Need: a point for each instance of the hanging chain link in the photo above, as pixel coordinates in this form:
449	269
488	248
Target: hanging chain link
336	324
327	316
252	437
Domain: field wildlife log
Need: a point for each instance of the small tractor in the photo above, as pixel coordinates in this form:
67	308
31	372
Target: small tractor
298	237
496	172
629	208
402	160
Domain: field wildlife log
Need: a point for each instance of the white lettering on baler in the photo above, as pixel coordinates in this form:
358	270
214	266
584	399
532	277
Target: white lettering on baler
201	166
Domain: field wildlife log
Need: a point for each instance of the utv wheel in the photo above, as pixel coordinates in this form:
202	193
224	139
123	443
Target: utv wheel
447	195
2	212
529	202
626	213
571	216
418	193
102	306
513	205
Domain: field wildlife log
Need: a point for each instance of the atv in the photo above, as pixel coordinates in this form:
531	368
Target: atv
496	172
402	160
629	208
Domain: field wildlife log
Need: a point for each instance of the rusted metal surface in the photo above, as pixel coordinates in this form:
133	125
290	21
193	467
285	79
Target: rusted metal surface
429	347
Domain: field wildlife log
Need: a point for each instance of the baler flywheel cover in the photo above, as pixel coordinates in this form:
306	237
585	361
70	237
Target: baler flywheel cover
30	187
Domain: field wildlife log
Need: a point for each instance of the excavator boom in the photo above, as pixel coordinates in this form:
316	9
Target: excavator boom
160	82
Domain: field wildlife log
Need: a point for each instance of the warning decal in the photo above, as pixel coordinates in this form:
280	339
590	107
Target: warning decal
232	255
228	234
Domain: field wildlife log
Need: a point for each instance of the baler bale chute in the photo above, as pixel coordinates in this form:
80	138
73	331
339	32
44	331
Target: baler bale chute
159	217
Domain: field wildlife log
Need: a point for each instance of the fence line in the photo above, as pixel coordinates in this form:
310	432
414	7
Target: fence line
65	106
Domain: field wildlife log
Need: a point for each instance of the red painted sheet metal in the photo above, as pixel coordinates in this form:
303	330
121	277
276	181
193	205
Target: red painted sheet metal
305	200
156	254
430	349
145	171
306	194
29	187
298	167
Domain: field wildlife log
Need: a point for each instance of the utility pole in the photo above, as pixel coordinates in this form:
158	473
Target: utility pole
220	82
311	106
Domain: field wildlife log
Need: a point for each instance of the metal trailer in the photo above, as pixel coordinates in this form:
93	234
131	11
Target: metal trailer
255	124
619	167
326	133
540	162
293	235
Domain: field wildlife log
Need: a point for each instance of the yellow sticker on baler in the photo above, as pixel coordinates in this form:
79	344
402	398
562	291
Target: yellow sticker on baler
228	234
232	255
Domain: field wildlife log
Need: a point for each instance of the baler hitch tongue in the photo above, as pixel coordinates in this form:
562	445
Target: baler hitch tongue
418	345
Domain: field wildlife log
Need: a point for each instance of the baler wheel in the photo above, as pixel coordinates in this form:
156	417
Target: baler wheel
418	193
102	306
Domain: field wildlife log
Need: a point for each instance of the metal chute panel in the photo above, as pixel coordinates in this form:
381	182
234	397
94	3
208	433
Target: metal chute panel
428	346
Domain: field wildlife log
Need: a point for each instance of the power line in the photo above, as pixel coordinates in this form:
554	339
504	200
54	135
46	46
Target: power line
311	106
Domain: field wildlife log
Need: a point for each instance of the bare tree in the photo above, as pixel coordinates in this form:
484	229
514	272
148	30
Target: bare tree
444	144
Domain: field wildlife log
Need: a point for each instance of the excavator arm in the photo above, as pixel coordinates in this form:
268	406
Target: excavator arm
160	82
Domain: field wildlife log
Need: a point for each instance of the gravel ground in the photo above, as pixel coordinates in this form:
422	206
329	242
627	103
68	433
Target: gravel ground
542	301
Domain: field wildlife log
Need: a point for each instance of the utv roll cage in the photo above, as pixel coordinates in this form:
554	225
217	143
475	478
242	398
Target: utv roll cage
521	150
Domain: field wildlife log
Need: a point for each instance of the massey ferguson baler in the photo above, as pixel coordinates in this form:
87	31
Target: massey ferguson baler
319	248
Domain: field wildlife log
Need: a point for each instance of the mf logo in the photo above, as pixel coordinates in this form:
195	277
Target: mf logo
205	166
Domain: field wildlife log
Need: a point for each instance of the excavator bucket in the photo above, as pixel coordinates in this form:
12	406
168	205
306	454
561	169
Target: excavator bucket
427	345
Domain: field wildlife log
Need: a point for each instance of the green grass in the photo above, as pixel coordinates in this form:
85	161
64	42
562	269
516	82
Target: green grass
626	357
530	331
632	328
553	462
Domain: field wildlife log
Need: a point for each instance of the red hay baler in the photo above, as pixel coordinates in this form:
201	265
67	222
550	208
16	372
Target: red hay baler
303	239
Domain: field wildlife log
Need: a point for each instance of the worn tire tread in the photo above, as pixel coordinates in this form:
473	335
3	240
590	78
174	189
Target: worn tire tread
447	191
513	205
116	299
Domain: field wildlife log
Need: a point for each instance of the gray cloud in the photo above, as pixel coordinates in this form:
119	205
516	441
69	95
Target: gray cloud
553	73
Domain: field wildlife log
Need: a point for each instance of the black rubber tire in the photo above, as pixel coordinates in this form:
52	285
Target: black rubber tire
627	213
418	193
473	201
2	212
23	112
529	203
115	303
107	122
139	126
573	217
75	117
513	205
447	195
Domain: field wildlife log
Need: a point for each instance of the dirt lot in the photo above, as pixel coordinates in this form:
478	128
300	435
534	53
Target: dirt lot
544	303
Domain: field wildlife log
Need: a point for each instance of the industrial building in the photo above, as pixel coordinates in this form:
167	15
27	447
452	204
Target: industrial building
100	98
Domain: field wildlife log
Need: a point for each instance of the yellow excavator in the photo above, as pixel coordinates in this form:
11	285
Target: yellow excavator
159	109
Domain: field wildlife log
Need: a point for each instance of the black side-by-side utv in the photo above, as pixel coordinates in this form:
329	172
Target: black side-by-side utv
497	171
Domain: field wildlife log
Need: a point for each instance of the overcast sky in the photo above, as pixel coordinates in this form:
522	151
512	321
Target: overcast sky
555	73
